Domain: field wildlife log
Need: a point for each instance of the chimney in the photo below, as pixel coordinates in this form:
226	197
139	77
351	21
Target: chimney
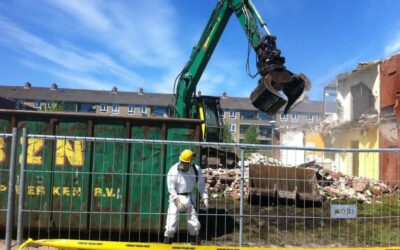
199	93
141	91
27	85
54	86
224	95
114	90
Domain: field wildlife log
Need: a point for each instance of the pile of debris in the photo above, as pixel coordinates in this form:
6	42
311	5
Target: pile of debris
257	158
340	186
332	185
225	182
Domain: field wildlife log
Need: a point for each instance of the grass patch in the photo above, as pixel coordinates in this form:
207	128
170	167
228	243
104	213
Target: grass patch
304	225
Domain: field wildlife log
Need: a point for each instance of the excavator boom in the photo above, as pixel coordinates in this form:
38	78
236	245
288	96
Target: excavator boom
274	77
267	97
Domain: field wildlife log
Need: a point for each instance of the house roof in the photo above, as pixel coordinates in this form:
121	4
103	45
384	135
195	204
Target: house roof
243	103
85	96
122	97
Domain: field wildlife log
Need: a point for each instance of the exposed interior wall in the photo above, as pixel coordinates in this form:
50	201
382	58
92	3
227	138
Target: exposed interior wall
314	139
367	75
294	139
368	163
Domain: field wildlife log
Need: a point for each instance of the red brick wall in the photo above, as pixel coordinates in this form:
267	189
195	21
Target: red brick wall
390	80
389	89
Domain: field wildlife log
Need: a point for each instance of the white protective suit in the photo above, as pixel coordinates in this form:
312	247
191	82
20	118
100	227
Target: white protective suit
180	184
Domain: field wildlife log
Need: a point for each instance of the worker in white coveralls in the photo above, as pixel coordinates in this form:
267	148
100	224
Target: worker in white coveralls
181	180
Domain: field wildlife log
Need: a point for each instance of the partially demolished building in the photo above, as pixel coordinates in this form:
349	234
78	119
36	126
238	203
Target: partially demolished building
368	117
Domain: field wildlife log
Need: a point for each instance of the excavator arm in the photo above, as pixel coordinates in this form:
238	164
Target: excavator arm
274	77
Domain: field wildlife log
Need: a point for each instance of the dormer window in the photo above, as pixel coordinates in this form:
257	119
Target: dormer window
115	108
103	108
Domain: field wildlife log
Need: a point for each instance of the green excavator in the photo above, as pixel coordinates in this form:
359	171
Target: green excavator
274	77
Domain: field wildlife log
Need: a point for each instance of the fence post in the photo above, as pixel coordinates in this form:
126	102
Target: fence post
241	196
11	190
20	229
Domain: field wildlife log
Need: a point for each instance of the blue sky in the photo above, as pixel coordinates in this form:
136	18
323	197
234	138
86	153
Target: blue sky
131	44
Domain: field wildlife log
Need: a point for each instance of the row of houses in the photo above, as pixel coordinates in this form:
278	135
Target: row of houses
237	112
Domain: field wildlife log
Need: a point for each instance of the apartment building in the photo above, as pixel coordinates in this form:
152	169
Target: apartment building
238	112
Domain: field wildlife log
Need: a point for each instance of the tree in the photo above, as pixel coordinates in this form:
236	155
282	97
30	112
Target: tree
251	135
226	134
305	126
53	107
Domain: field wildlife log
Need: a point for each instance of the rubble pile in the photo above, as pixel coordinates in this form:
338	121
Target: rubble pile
225	182
257	158
332	185
341	186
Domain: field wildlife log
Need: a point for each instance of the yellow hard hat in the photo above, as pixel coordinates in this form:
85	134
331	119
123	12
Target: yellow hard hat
186	155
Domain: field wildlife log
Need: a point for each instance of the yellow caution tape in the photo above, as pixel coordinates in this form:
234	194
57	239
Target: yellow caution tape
114	245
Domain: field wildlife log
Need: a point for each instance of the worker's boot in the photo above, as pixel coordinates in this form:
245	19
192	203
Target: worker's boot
195	240
167	240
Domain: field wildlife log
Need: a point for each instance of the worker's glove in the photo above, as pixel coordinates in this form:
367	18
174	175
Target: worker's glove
181	207
205	201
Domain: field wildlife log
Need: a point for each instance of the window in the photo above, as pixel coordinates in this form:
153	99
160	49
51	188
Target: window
131	109
265	131
243	129
86	107
319	117
309	117
143	110
232	114
37	104
221	113
49	104
19	104
248	115
283	117
295	117
232	128
158	111
103	108
265	117
265	142
115	108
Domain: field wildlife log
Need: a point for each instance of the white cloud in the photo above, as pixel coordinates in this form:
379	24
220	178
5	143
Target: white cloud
65	76
69	57
87	12
135	38
137	31
393	45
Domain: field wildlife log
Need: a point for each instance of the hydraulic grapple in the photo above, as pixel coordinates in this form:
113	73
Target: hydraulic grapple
275	78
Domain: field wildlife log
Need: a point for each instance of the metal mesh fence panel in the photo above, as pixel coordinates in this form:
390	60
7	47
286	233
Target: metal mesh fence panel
5	147
259	195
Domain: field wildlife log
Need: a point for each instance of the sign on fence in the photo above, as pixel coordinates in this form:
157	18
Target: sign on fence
343	211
